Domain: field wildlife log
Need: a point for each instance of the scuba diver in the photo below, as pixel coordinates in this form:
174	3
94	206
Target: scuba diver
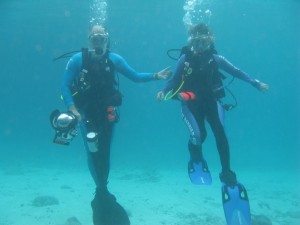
197	83
90	92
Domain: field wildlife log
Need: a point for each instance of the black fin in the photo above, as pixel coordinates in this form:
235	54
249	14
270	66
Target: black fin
106	210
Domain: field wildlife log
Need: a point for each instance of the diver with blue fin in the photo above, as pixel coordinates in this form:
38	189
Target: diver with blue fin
198	84
90	90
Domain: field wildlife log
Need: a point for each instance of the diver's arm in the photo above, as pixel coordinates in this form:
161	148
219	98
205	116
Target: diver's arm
122	67
71	71
174	83
176	79
228	67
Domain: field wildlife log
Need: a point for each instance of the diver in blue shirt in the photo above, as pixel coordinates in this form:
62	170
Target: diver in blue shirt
90	92
197	83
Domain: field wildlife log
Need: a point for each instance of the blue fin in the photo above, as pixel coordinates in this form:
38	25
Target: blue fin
199	173
236	205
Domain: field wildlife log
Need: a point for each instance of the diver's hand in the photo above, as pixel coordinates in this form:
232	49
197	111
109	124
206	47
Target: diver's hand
160	96
261	86
163	74
73	109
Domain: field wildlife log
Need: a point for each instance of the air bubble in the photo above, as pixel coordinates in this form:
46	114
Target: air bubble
196	11
98	12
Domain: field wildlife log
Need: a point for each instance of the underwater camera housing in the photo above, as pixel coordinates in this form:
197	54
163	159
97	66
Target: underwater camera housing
64	125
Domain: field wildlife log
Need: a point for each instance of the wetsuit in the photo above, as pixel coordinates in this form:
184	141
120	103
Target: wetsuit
206	105
94	108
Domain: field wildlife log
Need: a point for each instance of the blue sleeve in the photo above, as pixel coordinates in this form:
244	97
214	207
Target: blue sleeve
225	65
122	67
71	72
177	78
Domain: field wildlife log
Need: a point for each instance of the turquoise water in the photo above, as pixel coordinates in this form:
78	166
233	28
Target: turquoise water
260	37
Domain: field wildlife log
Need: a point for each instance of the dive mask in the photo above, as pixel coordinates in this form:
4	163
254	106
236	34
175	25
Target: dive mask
98	39
200	43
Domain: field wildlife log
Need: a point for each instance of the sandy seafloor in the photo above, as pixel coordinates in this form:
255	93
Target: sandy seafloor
152	197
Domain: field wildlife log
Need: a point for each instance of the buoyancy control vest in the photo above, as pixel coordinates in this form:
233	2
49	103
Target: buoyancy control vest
201	75
96	83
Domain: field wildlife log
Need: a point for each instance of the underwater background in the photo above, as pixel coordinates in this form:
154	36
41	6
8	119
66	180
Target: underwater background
259	37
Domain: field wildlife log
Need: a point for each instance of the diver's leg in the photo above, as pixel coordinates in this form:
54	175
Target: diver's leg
197	167
213	118
226	174
195	142
99	155
221	113
106	210
234	195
